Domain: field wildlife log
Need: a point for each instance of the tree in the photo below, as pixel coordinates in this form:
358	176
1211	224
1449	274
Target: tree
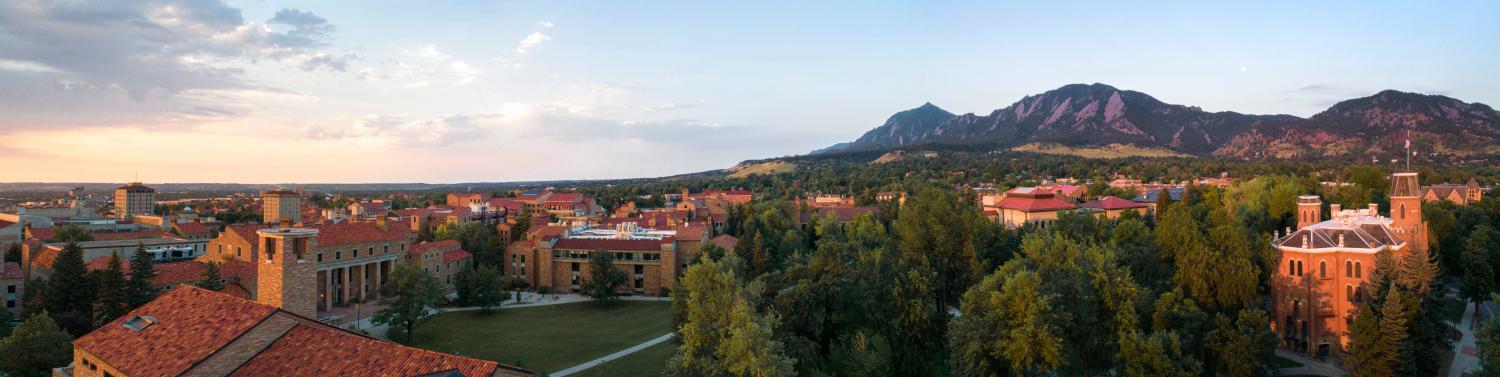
35	347
114	301
1007	328
142	273
722	333
410	296
211	279
1163	353
476	237
937	232
5	318
1242	347
70	291
482	287
1366	348
1478	278
1488	340
72	233
604	279
12	253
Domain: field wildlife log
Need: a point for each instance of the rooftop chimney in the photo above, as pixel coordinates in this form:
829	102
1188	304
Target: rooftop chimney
1374	209
1335	207
1341	240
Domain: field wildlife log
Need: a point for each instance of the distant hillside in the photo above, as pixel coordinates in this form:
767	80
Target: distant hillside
1101	116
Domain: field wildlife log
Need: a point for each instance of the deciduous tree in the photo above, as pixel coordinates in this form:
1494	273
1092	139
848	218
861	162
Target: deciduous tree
410	297
35	347
604	280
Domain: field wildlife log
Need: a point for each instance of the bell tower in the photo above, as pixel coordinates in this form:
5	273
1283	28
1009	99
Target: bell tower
287	275
1309	210
1406	209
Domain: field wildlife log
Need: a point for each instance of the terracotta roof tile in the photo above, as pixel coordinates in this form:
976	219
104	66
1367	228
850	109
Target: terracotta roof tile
455	255
352	233
312	351
425	247
1112	203
191	324
1033	204
11	270
191	229
725	241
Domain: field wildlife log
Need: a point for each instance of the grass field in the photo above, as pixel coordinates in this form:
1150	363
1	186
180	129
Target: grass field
546	338
773	167
647	362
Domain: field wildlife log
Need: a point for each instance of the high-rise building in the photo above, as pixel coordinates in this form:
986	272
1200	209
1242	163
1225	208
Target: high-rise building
134	199
281	205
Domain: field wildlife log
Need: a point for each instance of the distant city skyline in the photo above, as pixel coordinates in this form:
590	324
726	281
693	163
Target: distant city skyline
277	91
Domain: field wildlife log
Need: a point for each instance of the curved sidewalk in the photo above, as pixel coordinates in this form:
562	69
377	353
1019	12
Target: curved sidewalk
613	356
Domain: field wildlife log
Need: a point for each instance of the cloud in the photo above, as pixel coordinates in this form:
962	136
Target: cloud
544	24
26	67
532	41
108	62
399	131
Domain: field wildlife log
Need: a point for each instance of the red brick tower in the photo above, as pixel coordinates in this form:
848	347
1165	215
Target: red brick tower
1309	210
1406	209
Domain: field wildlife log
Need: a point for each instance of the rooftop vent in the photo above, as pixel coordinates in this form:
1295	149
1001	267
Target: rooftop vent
140	322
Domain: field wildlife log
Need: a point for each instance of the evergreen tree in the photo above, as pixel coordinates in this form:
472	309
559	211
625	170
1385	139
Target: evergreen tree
604	280
211	278
1367	355
113	299
35	347
1488	340
142	273
5	318
72	233
70	291
1478	278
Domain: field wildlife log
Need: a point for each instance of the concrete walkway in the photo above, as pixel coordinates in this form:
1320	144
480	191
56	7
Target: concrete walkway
527	299
1310	367
607	358
1466	353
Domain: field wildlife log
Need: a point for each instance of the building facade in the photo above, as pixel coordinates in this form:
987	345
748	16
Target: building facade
281	205
1325	265
352	259
134	199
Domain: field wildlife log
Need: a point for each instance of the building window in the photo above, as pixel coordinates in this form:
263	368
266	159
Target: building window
575	267
338	255
372	251
1291	268
320	257
1299	268
1403	211
386	250
1357	274
1322	269
1348	268
1349	293
354	253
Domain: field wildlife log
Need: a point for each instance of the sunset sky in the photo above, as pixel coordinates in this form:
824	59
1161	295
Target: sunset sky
453	91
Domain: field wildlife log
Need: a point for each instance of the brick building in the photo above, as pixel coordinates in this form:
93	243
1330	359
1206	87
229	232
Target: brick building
352	259
1028	205
652	259
134	199
1325	265
1463	195
1111	207
465	199
280	205
12	287
442	259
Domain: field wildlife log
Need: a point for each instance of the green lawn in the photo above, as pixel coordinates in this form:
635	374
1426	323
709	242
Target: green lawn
647	362
546	338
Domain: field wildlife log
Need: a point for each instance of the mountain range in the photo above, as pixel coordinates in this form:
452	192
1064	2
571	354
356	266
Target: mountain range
1099	115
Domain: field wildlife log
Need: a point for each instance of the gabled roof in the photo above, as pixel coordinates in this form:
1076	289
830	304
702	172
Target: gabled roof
191	324
246	232
1033	203
1111	203
725	241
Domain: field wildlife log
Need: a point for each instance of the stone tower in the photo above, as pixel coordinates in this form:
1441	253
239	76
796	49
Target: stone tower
287	277
1309	210
1406	209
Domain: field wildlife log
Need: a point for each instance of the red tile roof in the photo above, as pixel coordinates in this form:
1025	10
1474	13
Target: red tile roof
11	270
725	241
454	255
184	272
191	229
1111	203
353	233
608	244
1039	203
558	197
691	233
444	245
246	232
191	324
313	351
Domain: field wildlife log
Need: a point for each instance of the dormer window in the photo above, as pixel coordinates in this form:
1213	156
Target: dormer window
140	322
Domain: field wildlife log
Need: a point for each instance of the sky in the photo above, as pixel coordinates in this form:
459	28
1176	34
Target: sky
459	91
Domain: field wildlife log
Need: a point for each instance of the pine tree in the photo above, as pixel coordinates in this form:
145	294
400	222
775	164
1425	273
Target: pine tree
1365	344
1395	321
211	278
35	347
70	291
142	272
113	299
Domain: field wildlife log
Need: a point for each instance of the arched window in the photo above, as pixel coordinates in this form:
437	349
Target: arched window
1349	293
1291	267
1322	269
1348	268
1299	268
1357	274
1403	211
